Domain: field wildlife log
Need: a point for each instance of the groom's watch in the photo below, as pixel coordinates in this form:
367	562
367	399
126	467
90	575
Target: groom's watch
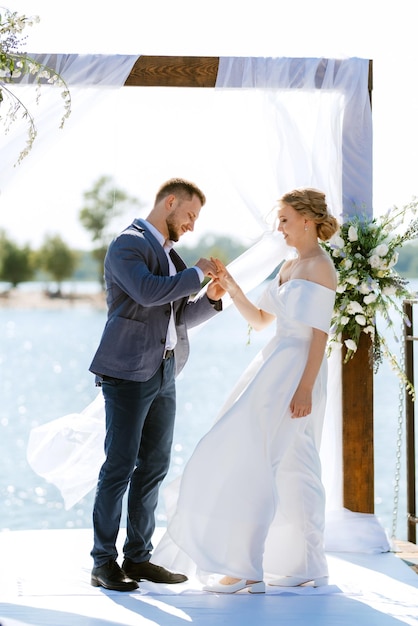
217	304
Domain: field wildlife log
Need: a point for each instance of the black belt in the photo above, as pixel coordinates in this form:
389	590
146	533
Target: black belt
168	354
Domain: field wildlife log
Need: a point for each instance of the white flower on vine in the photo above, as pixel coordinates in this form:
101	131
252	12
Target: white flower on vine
376	262
352	233
351	345
354	307
344	320
352	279
341	288
361	320
364	288
346	263
14	64
381	250
389	290
337	242
369	330
371	297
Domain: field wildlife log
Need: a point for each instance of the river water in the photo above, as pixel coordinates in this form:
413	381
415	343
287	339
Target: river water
44	360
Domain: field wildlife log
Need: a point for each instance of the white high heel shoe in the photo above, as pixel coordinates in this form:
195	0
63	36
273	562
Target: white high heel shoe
257	587
296	581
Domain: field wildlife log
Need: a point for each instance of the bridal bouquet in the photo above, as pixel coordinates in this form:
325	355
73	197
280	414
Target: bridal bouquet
365	252
13	66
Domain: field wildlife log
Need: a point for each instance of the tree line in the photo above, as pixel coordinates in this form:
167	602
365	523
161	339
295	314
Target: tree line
56	261
103	204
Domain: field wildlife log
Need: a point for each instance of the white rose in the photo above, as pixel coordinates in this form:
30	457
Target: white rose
364	288
351	345
352	233
340	288
390	290
337	242
361	320
371	297
354	307
376	262
369	330
353	280
347	263
381	250
344	320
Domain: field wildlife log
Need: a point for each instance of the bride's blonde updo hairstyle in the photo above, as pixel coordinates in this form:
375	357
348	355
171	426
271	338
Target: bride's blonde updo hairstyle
311	204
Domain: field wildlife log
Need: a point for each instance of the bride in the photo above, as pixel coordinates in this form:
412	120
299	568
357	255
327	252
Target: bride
251	504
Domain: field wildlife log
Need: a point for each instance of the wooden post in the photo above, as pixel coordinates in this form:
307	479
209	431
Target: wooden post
357	430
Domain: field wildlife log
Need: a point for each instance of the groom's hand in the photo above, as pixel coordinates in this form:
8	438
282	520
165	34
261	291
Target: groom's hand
207	267
214	290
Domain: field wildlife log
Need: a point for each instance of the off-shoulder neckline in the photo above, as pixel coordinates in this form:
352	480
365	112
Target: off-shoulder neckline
303	280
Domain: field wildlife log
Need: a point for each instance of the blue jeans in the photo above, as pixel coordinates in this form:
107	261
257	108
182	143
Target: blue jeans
139	434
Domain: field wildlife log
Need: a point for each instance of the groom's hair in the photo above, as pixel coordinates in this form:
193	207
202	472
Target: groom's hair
181	188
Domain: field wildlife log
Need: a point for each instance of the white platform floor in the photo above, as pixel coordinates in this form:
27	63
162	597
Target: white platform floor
45	581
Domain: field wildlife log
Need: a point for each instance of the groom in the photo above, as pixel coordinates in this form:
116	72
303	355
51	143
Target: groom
143	347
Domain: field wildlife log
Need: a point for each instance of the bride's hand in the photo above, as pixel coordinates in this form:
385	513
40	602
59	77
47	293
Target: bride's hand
225	279
214	290
301	404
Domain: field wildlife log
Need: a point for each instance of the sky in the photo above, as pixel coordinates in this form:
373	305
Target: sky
45	194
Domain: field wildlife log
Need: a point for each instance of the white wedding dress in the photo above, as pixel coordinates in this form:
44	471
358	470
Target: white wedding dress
251	503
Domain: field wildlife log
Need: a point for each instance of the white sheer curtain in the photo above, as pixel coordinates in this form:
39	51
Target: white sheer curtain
298	126
305	122
87	76
311	124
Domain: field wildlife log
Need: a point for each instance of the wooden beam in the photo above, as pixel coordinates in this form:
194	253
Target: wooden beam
162	71
187	71
357	429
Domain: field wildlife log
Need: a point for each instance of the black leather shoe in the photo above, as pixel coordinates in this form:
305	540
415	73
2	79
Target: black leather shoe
149	571
111	576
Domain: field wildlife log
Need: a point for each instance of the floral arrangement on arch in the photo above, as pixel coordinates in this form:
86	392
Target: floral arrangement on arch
365	252
13	66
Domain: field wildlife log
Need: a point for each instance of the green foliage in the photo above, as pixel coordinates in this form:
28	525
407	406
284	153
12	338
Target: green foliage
57	259
219	246
365	252
13	66
16	263
102	204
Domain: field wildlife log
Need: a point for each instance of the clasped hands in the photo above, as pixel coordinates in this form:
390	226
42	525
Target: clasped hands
221	280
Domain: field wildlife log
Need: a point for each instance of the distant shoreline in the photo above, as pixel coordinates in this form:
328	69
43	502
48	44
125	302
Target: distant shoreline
17	299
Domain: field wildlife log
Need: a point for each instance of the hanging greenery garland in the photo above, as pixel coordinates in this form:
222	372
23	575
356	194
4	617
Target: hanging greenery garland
365	252
14	65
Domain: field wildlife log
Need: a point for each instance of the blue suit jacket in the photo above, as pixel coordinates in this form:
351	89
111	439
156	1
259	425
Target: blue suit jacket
139	293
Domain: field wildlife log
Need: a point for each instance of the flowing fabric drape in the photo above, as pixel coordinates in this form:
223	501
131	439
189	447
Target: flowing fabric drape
286	123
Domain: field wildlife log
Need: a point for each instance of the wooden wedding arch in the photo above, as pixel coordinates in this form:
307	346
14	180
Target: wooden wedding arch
357	374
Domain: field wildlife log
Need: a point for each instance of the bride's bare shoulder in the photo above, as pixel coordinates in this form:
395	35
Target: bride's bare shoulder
322	271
